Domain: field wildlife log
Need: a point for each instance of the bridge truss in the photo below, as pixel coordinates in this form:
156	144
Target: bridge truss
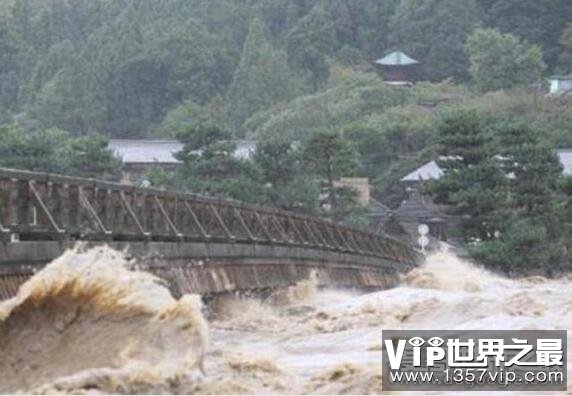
47	207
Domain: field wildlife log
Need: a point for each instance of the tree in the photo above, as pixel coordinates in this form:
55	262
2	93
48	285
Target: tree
210	166
537	22
188	114
92	158
9	79
434	32
565	42
533	234
287	184
56	151
501	179
565	187
473	182
533	167
501	61
262	78
331	157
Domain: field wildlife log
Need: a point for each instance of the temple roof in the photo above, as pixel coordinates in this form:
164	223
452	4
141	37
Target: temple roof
396	58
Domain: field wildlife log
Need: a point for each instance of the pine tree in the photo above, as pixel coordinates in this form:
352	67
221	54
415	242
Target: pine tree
9	79
287	184
533	235
331	156
262	78
473	182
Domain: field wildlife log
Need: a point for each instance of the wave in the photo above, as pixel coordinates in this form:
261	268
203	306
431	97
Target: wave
88	321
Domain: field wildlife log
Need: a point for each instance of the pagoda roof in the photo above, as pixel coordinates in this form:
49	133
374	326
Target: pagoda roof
396	58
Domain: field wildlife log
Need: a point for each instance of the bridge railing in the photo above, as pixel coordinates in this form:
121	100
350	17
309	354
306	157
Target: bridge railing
41	206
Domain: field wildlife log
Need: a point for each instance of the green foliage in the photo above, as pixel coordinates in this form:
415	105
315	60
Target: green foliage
473	183
330	156
294	76
286	182
346	101
524	246
349	56
56	151
210	166
502	180
190	114
538	22
551	116
501	61
91	158
262	78
122	66
565	42
434	32
533	166
308	43
383	123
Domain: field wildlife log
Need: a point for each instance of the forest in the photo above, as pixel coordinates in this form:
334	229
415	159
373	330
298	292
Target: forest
296	76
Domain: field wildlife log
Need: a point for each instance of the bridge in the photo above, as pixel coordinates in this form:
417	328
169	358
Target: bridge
195	243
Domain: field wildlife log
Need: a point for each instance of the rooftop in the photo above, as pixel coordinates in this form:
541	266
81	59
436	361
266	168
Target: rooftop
428	171
396	58
157	151
432	170
146	151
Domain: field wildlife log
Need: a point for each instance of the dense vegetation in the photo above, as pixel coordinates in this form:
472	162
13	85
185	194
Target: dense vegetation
296	76
118	67
504	179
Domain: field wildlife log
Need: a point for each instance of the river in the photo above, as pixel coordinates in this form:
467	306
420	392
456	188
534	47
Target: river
89	323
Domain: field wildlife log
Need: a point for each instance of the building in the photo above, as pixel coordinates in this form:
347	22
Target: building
417	208
138	156
560	84
397	68
565	156
426	172
431	170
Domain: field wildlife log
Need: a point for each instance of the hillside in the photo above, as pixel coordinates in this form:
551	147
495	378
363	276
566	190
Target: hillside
120	67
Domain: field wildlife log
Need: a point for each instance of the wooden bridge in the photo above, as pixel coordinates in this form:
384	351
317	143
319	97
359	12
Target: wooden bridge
195	243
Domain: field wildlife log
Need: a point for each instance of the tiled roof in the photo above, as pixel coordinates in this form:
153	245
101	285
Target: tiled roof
143	151
431	170
396	58
428	171
154	151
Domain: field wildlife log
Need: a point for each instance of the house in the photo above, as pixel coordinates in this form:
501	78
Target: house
417	208
431	170
138	156
397	68
426	172
560	84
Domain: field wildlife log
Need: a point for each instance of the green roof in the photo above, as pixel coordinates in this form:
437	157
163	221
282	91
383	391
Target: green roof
396	58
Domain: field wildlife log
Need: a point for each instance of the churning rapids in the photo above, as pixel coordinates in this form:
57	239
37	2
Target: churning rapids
91	323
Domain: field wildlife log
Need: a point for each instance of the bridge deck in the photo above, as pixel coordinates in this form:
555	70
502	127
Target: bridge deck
42	214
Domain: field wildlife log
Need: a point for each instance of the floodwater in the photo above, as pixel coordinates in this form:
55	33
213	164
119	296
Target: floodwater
89	323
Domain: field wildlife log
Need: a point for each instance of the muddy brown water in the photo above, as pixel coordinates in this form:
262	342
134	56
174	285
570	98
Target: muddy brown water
89	323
